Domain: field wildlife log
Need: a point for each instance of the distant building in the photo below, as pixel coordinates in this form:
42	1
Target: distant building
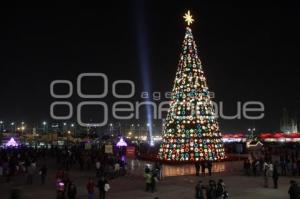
288	122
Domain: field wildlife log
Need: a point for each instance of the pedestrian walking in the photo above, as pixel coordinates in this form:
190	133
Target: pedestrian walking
197	168
199	190
294	190
116	169
255	164
98	166
294	168
103	187
158	168
209	167
220	191
148	179
153	180
203	168
30	174
275	176
90	187
72	190
60	189
211	190
247	167
266	172
43	173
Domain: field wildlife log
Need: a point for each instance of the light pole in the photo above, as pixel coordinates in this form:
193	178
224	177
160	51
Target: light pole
111	129
139	131
44	126
1	126
132	129
64	127
139	140
251	130
74	129
13	127
22	127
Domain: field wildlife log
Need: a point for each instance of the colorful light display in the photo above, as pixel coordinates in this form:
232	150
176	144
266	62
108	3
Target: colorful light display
191	132
121	143
11	143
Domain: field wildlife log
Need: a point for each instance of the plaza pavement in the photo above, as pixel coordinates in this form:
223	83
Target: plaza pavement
172	187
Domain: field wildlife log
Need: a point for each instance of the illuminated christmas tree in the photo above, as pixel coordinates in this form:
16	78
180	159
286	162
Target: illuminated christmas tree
191	132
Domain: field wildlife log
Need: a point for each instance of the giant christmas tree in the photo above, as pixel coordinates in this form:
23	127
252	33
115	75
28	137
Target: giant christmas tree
191	132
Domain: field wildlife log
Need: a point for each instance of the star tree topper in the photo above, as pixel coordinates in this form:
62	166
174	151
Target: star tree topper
188	18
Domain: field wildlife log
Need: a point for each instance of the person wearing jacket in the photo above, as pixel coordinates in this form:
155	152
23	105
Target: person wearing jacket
43	173
101	187
72	191
199	190
90	186
294	190
211	190
275	176
220	189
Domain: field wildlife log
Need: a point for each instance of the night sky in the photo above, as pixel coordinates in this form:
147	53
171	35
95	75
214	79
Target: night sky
248	51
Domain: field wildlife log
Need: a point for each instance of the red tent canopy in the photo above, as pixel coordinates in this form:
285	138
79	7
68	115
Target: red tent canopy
233	135
278	135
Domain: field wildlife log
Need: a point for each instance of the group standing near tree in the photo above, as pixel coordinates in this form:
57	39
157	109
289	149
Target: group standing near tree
202	166
211	191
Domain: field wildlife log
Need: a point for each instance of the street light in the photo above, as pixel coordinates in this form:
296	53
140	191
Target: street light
74	129
111	128
64	127
44	124
13	127
251	130
22	127
1	126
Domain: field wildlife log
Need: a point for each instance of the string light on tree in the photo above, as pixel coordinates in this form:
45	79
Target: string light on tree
191	132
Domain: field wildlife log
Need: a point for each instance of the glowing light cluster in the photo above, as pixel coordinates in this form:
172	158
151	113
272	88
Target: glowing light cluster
191	132
121	143
11	143
188	18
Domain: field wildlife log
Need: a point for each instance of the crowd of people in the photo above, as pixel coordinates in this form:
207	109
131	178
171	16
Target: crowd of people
202	166
273	162
31	165
265	168
211	191
153	175
28	163
14	162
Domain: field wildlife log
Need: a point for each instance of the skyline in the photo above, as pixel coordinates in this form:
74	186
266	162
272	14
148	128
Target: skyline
252	57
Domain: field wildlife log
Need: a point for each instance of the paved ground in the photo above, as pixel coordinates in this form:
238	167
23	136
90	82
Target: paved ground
173	187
